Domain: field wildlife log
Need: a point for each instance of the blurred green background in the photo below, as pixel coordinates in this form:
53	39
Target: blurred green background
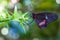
51	32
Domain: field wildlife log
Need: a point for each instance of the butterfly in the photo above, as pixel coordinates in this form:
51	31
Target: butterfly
44	18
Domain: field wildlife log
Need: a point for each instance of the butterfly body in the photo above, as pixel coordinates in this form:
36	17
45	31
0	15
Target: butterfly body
43	19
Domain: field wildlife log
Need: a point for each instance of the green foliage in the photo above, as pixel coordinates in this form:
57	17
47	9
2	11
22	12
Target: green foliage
44	5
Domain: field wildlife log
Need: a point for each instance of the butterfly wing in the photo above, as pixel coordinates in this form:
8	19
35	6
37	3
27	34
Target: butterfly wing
51	17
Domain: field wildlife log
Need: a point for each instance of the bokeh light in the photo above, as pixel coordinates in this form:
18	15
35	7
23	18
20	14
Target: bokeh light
36	39
2	38
4	31
58	1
